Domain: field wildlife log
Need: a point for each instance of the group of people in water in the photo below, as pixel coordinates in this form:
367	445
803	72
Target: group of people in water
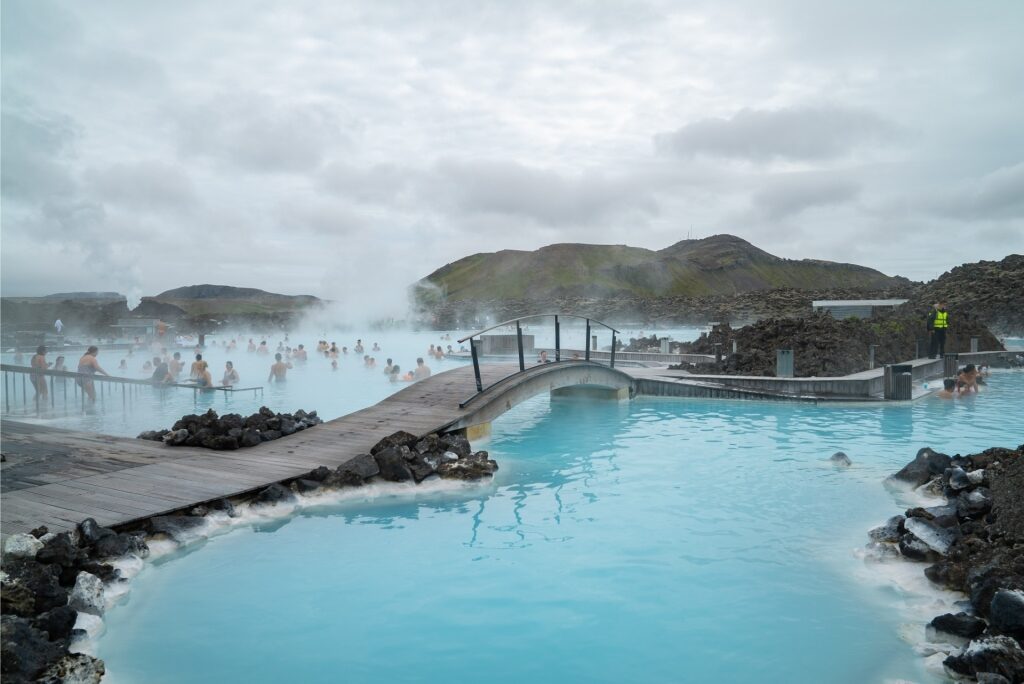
968	380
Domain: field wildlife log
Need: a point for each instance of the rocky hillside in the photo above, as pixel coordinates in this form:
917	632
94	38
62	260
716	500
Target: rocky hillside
823	346
196	300
77	311
718	265
991	290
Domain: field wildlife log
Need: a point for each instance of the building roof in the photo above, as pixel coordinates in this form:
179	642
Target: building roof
818	303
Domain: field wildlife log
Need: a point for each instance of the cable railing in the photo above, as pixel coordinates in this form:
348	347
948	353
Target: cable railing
104	386
474	343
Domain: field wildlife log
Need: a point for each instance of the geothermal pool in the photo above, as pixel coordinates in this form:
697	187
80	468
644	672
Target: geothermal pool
654	541
313	385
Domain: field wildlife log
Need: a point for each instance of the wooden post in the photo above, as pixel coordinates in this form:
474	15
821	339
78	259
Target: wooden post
476	365
586	339
558	340
519	341
613	349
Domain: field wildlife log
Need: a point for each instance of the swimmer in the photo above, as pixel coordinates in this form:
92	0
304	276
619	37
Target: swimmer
58	365
175	366
252	346
344	350
543	358
422	371
263	348
124	365
204	380
300	353
279	371
373	362
88	365
160	371
146	367
948	390
393	374
366	360
388	367
197	367
358	349
967	379
376	347
230	378
39	364
334	364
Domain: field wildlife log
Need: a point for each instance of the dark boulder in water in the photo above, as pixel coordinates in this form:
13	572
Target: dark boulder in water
999	655
392	464
318	474
363	465
890	532
61	551
74	668
223	505
473	467
56	622
923	468
176	527
343	477
915	549
395	440
961	625
1006	613
304	486
273	494
457	444
974	503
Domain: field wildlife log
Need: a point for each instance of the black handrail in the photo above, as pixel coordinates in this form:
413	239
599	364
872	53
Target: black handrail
519	342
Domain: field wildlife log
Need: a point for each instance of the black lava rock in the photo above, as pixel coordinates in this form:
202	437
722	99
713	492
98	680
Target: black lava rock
926	465
395	441
56	622
273	494
961	624
25	651
1006	613
392	464
31	588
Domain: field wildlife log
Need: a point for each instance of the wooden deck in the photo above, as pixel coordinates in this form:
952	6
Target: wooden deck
59	477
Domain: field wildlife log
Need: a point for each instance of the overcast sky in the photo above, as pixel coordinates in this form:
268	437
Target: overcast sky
347	149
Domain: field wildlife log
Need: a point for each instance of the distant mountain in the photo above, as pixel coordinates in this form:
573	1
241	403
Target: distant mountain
718	265
76	296
221	300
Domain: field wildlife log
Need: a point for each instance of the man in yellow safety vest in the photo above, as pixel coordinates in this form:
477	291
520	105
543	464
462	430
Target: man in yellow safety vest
938	324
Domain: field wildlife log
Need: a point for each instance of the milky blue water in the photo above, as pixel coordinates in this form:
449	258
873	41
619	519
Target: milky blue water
647	541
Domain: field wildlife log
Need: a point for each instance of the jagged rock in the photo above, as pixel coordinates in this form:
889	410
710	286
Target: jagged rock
881	551
974	503
473	467
958	479
890	532
304	486
395	441
74	668
915	549
343	477
926	465
56	622
40	532
21	546
118	545
87	595
268	435
991	678
287	427
177	527
223	505
430	444
961	625
938	538
364	465
30	588
176	437
976	477
840	459
107	573
250	437
60	550
392	463
1006	613
91	532
199	511
457	444
319	474
221	443
153	435
996	654
24	650
273	494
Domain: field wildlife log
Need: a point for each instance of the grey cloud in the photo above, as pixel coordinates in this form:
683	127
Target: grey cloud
997	195
372	184
35	145
792	193
260	133
809	133
147	185
546	196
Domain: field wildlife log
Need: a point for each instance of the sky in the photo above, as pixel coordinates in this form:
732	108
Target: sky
346	149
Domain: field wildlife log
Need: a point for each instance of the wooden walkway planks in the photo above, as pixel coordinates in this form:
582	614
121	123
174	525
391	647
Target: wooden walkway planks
59	477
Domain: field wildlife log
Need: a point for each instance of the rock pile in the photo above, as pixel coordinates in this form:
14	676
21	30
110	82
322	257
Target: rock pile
47	580
823	346
232	431
975	545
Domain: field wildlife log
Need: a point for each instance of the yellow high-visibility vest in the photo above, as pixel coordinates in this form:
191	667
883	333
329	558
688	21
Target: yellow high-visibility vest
941	319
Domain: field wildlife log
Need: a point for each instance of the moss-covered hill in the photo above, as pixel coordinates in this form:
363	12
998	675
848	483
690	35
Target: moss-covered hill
224	300
718	265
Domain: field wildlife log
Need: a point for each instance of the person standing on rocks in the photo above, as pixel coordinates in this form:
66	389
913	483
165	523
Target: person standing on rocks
938	324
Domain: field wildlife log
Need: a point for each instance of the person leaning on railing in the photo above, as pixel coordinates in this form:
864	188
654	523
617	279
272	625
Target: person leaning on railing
38	364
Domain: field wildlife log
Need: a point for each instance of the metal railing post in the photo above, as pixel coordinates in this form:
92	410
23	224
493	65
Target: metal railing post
558	341
476	365
7	394
613	350
519	340
586	342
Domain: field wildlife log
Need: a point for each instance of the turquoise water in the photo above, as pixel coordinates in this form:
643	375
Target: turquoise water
651	541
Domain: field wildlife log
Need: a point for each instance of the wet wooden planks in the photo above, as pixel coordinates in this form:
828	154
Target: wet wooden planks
57	477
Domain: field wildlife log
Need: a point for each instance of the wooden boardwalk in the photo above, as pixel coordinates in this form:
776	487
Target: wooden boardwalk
59	477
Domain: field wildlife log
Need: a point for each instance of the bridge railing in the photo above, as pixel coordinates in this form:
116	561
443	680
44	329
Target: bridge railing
24	378
474	342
